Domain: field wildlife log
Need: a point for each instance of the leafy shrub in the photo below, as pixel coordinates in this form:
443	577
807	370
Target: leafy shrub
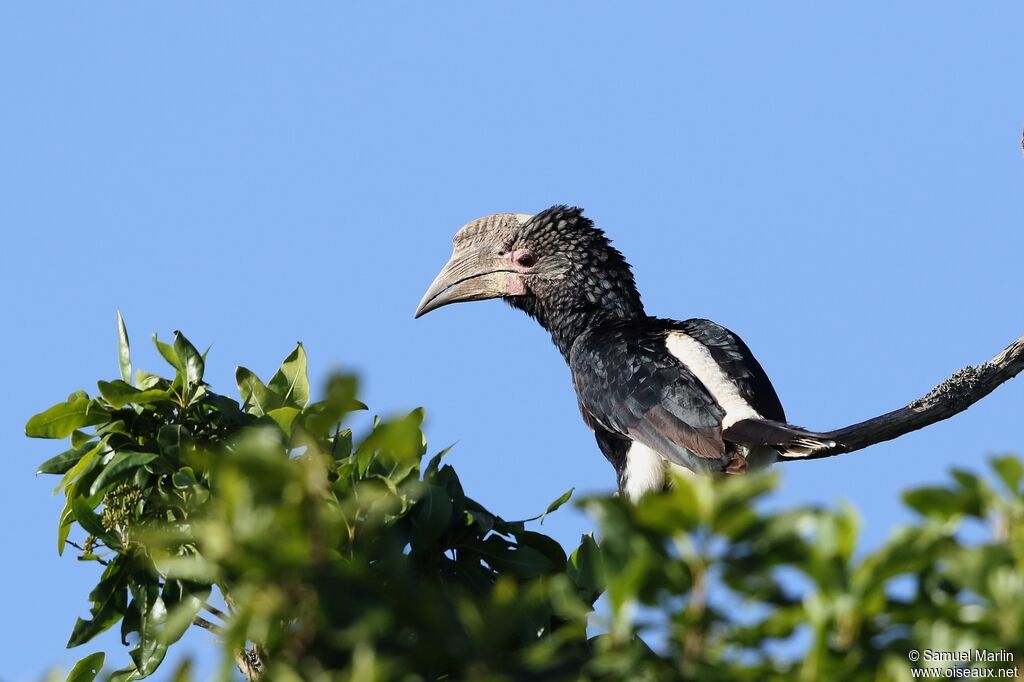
338	557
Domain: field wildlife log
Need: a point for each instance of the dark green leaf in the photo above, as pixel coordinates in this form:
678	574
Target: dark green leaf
151	649
183	604
60	464
87	668
257	399
435	462
522	561
109	601
543	544
125	675
184	478
431	517
120	467
116	426
87	461
191	361
90	521
171	439
585	568
341	445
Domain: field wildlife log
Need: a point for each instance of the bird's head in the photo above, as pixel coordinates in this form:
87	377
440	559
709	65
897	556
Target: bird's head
555	265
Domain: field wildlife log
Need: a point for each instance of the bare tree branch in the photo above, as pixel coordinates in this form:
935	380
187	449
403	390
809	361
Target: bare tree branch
199	621
954	395
215	611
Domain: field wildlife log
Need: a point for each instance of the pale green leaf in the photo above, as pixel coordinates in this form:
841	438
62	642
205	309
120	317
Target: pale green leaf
124	358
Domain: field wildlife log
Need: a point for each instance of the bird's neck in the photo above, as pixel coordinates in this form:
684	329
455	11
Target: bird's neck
567	320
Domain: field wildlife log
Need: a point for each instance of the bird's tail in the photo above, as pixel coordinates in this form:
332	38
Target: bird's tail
791	441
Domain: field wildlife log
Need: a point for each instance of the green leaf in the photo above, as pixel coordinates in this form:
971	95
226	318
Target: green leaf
80	467
167	353
184	478
191	361
63	418
394	447
322	417
521	561
183	605
90	521
1010	470
435	462
431	517
120	467
183	673
151	649
116	426
145	381
341	445
932	501
847	528
543	544
284	416
585	570
125	675
59	464
119	393
257	399
80	438
562	499
973	494
124	356
89	667
109	599
171	439
291	381
66	520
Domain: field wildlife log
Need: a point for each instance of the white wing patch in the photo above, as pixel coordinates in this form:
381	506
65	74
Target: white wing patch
645	471
698	360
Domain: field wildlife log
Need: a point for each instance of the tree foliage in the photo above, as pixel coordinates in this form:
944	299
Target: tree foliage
348	558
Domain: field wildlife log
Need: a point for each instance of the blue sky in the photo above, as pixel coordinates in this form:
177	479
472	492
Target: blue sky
838	183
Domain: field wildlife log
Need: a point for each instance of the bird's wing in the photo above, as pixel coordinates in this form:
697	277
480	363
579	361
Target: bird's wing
628	383
738	363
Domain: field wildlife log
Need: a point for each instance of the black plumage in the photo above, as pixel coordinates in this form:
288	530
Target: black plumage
690	391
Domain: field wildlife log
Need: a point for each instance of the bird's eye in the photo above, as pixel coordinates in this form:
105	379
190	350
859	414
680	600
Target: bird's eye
526	260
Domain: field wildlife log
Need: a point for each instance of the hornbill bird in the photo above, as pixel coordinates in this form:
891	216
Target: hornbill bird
655	392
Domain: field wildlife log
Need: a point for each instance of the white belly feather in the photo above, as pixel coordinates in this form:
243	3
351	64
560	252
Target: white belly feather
645	471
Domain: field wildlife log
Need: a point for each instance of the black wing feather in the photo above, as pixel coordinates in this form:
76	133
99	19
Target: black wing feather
628	383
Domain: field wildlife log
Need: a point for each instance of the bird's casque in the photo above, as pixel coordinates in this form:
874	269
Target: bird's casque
654	391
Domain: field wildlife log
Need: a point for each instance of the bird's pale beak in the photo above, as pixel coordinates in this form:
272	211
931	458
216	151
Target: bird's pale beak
474	275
